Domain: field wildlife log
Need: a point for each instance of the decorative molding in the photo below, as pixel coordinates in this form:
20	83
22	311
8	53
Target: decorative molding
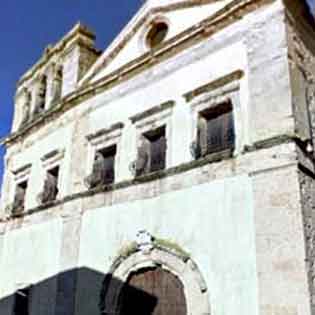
52	157
186	270
216	84
105	131
145	241
24	169
152	111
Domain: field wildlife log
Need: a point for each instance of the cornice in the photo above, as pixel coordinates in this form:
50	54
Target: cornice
154	110
230	14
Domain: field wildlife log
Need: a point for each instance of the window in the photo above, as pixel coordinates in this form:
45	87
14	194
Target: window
50	190
57	85
26	107
216	129
22	302
152	152
103	172
41	96
156	34
19	198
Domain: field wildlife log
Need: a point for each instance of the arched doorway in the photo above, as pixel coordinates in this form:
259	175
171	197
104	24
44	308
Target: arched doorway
160	276
153	291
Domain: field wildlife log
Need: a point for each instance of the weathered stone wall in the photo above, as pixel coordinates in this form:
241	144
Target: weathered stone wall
307	186
302	73
280	248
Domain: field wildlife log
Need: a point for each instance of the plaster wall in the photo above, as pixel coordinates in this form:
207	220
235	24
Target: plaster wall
214	222
282	273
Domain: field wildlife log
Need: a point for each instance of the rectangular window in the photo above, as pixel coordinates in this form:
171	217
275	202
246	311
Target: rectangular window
157	152
103	172
19	198
22	302
108	164
53	176
152	152
50	190
216	129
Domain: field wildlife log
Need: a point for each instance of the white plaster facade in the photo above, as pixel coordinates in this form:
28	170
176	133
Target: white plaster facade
241	218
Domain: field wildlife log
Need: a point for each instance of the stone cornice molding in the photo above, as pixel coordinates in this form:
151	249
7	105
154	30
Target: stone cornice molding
105	131
230	14
154	110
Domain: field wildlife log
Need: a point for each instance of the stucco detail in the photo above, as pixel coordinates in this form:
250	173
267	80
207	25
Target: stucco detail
185	269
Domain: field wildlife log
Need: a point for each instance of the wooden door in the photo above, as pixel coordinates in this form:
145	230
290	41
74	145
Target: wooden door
153	292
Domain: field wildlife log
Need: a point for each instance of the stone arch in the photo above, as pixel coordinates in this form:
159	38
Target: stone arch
171	260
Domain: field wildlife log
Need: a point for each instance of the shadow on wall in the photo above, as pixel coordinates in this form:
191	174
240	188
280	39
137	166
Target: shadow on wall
79	291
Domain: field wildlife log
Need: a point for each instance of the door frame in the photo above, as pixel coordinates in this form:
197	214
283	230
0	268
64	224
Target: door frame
185	269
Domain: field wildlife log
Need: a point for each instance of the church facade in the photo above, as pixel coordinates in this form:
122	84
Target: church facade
172	173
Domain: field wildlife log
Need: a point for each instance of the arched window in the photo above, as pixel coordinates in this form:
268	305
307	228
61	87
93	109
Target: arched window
156	34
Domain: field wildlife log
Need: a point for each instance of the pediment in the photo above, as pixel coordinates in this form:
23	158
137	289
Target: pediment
133	41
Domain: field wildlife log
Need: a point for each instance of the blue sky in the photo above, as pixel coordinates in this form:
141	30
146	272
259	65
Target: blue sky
27	27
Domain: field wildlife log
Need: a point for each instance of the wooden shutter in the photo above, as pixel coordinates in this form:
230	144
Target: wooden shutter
109	167
153	292
220	130
50	191
158	153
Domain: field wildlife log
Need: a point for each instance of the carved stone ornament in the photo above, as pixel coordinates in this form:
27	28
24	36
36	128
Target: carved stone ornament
145	241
